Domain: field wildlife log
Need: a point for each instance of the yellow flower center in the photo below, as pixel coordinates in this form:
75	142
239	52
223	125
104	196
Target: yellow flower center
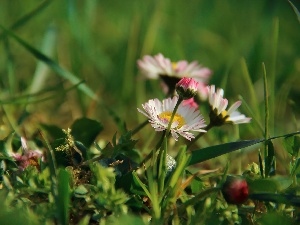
166	116
225	116
174	66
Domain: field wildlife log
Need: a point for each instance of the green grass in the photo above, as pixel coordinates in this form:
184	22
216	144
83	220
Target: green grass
100	43
64	60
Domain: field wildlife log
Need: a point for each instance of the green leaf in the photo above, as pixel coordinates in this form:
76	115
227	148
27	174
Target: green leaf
197	184
274	184
124	145
86	130
261	166
292	144
52	64
263	185
270	160
125	219
80	191
201	155
274	218
16	216
63	196
54	131
141	184
296	167
278	198
129	184
85	220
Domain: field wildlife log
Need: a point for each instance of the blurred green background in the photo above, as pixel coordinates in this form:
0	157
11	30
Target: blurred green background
100	42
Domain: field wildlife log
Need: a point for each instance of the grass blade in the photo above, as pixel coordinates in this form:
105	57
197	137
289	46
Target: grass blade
52	64
296	11
42	70
28	16
63	196
201	155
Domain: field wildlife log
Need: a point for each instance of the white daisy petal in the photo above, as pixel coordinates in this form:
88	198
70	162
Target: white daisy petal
219	105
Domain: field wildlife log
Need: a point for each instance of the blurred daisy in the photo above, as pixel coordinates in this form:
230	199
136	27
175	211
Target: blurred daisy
219	115
28	157
171	72
186	119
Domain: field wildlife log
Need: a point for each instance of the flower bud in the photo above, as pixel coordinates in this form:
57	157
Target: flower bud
170	163
235	190
187	88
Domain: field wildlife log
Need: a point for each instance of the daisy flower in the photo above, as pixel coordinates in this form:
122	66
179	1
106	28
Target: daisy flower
186	119
171	72
28	157
219	115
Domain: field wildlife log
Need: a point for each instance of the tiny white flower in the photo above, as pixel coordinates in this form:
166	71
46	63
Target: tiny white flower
186	118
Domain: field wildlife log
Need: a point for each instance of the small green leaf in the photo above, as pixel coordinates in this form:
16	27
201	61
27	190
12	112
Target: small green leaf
141	184
261	166
80	191
85	220
86	130
129	184
201	155
16	216
296	167
292	144
270	160
197	184
54	131
125	145
125	219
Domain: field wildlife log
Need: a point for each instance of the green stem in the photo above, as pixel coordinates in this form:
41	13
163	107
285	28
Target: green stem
173	114
52	164
163	152
266	116
158	172
162	166
156	212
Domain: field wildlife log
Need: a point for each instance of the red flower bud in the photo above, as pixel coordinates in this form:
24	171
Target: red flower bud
235	190
187	87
